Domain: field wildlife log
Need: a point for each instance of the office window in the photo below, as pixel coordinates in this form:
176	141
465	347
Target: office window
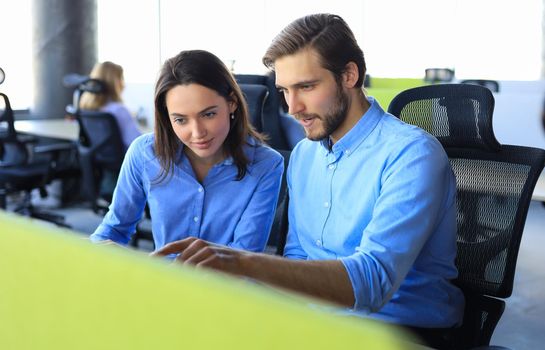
238	31
16	51
479	39
128	34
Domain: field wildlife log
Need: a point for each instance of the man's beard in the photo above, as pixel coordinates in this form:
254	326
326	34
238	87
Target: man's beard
333	118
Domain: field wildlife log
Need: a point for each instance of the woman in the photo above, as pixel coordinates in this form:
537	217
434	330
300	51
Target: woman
205	172
110	101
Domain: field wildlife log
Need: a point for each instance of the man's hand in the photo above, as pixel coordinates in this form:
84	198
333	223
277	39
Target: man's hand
325	279
198	252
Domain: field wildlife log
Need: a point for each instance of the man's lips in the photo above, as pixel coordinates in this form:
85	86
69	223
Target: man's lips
306	120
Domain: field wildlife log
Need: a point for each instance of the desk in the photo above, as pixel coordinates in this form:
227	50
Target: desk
58	291
63	129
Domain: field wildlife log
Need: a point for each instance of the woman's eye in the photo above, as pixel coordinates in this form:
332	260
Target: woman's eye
209	114
179	121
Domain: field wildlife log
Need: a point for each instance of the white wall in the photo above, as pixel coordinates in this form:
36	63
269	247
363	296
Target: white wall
517	116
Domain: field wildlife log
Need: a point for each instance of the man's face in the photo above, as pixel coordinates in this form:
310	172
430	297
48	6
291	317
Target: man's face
313	95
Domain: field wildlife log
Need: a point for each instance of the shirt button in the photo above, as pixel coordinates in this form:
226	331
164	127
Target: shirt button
326	204
331	166
347	151
318	243
195	218
200	189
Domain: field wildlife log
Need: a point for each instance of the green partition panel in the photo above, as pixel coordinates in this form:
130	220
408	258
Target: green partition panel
385	89
59	291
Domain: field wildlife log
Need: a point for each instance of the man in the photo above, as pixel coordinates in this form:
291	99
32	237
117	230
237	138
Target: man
372	199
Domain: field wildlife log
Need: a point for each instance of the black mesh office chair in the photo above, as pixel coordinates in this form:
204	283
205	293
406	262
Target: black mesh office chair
20	173
494	188
100	145
101	150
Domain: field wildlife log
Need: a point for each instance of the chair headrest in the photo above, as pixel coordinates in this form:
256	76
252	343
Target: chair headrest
83	83
458	115
256	96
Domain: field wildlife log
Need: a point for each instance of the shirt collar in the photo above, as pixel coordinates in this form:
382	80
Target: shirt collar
359	132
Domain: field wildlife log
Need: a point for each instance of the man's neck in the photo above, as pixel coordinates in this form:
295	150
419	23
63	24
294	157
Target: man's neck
358	106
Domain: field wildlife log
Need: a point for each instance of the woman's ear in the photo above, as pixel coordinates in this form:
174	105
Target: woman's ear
350	75
233	103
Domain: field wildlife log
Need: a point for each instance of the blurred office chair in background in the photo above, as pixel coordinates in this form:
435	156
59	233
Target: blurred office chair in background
494	188
492	85
21	172
438	75
100	145
282	129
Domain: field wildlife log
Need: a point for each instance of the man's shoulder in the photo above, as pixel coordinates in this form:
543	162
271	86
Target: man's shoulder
403	135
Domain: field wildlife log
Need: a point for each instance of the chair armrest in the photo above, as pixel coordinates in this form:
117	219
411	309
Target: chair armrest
55	147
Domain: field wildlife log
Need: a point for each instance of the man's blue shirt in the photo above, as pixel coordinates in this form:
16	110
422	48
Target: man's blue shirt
222	210
383	201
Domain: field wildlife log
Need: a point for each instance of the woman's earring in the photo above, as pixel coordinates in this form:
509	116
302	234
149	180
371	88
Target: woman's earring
232	116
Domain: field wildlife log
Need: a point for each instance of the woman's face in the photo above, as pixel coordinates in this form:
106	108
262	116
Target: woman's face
200	118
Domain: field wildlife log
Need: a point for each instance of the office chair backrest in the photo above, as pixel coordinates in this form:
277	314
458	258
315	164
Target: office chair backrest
100	148
102	138
7	121
12	152
494	188
255	96
272	109
279	229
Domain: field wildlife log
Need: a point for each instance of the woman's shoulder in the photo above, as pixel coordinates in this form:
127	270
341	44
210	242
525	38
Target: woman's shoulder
263	152
143	145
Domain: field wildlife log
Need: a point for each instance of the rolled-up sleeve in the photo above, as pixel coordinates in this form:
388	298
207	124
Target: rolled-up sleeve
415	188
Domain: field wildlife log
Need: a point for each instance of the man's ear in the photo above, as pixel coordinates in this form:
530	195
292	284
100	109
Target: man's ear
350	75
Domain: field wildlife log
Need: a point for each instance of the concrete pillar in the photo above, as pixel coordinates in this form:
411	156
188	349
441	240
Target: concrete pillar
64	41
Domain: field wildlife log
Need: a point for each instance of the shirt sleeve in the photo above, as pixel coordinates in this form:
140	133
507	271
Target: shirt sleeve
252	230
128	203
417	186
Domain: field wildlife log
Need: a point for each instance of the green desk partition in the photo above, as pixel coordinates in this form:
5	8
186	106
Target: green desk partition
385	89
58	291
